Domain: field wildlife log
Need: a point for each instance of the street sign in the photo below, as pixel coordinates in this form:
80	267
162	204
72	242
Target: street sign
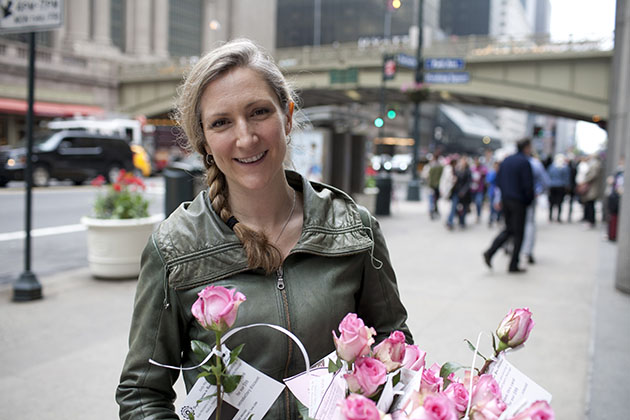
444	63
447	77
30	15
406	60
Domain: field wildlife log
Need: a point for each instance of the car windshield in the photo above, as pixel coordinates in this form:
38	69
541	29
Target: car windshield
44	140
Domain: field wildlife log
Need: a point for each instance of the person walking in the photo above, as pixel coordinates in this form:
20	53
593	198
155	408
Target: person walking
559	184
516	182
494	194
435	173
460	194
478	172
541	183
590	187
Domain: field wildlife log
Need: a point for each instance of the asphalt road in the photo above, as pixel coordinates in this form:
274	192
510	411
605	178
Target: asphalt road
58	238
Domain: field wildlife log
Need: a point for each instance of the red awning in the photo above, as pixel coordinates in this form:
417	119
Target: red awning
48	109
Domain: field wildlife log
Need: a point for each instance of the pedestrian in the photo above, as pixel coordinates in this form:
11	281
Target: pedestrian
447	180
559	184
589	187
434	175
460	194
267	232
478	173
541	184
573	195
516	181
615	191
494	194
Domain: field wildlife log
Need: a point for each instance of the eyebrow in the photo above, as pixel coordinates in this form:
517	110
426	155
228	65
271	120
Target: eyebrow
222	114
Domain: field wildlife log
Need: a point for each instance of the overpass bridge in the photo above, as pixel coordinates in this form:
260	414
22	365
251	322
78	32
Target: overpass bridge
568	79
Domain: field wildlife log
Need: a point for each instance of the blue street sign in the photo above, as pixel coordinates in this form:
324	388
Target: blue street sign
407	61
447	77
444	63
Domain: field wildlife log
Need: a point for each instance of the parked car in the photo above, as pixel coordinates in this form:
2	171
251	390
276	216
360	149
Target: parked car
402	162
74	155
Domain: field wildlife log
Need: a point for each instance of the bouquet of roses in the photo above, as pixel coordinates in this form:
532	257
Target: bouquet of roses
421	393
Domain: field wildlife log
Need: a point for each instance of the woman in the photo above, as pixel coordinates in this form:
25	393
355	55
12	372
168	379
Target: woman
302	253
559	183
460	194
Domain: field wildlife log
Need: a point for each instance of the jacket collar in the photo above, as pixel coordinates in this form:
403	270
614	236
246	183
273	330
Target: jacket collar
198	247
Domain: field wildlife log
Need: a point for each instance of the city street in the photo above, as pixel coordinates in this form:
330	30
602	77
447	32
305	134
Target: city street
62	355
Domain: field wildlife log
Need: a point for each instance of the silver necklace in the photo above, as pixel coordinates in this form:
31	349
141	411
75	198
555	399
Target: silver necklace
288	218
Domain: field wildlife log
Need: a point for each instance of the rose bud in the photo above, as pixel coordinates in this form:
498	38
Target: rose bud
367	376
486	403
354	338
515	328
414	357
217	307
358	407
540	410
458	394
391	351
431	380
435	407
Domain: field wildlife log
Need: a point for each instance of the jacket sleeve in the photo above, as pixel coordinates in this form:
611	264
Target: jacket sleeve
379	303
146	390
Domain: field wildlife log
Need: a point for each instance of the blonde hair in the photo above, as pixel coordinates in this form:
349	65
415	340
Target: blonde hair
234	54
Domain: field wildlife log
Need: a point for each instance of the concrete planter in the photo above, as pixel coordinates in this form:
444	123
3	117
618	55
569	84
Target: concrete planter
115	245
367	198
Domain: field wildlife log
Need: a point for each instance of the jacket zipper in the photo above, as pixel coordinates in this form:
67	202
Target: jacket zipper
285	303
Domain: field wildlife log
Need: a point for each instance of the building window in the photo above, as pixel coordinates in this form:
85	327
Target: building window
117	23
185	27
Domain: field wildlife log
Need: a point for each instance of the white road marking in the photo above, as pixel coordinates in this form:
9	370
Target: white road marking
55	230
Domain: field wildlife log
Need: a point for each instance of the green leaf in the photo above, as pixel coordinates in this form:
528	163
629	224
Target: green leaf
212	380
473	348
235	353
203	374
448	368
207	397
332	367
494	343
230	382
396	379
200	349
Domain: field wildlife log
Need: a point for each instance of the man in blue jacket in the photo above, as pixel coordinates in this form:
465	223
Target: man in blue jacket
516	183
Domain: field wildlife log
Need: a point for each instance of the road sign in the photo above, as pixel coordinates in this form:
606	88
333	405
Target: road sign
447	77
444	63
30	15
407	61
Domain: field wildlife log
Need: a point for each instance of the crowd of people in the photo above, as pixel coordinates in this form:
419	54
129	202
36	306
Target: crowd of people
510	189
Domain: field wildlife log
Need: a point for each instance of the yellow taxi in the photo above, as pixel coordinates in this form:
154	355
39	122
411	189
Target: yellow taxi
141	160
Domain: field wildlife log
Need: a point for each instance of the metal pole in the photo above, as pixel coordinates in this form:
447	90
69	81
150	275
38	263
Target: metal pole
317	23
27	286
413	189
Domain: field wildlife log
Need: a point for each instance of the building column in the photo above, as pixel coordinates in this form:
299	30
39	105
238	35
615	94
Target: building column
160	28
138	27
620	131
102	22
77	22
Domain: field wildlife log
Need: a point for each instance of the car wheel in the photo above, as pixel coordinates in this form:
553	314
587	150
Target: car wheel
3	182
41	176
112	173
78	181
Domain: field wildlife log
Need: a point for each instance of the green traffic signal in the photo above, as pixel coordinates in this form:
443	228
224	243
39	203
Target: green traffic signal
391	114
378	122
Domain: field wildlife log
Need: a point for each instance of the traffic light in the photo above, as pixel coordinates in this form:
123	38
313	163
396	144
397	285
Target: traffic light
378	122
391	114
394	4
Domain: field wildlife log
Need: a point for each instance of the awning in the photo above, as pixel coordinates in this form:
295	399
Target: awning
472	125
48	109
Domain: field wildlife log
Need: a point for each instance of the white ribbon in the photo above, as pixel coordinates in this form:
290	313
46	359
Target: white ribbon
472	370
223	355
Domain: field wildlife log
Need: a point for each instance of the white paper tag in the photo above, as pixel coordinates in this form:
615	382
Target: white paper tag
325	393
300	384
387	396
409	382
251	399
517	390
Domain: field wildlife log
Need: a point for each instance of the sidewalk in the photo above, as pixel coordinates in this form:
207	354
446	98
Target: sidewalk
62	355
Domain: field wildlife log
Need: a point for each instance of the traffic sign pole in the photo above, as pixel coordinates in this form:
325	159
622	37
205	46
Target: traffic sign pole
413	188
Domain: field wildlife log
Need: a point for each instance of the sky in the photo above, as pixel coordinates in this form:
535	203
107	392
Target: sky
584	19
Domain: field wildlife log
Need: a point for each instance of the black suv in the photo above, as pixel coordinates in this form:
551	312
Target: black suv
73	155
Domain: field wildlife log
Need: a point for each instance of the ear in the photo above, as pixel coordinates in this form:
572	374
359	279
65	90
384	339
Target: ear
289	123
208	150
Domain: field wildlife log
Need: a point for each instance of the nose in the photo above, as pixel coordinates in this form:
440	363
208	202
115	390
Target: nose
245	134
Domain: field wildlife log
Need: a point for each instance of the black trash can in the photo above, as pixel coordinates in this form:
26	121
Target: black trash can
384	197
182	182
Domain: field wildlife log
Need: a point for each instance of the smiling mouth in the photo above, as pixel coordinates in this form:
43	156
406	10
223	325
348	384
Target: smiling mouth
252	159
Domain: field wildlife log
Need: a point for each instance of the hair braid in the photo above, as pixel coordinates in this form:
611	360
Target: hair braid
260	252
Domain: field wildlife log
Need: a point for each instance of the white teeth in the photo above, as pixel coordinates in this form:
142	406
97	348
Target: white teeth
251	159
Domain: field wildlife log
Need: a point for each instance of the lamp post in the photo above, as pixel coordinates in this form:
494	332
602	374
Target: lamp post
413	188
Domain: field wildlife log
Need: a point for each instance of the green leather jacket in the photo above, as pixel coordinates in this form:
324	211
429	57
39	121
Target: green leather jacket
335	268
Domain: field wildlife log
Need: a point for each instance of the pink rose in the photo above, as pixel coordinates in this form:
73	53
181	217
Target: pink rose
216	307
367	376
431	380
540	410
435	407
354	338
458	394
358	407
515	328
487	403
414	357
391	351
